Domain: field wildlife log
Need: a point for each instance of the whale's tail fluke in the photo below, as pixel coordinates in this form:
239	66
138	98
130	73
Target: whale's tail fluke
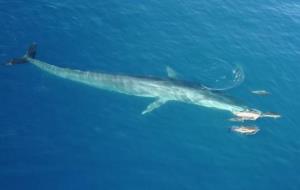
31	53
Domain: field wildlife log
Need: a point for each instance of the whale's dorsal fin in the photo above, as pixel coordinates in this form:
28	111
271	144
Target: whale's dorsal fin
154	105
171	73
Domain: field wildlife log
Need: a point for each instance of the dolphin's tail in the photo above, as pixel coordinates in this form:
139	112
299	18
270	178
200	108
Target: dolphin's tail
31	52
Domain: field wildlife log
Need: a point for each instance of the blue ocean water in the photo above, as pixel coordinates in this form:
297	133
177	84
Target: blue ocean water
57	134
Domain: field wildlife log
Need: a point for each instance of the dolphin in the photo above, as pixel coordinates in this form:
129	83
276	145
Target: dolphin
162	90
245	130
260	92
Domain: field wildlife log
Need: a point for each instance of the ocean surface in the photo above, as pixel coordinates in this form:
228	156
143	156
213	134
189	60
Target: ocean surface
58	134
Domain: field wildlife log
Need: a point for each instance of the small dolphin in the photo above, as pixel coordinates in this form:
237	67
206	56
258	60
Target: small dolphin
260	92
247	115
245	130
253	115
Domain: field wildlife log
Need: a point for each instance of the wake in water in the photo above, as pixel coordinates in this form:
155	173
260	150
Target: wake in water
238	79
220	75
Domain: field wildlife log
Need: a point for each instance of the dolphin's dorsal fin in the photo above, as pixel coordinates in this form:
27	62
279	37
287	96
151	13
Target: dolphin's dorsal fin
154	105
171	73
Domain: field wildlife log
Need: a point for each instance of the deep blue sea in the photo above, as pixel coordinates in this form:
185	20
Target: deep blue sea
58	134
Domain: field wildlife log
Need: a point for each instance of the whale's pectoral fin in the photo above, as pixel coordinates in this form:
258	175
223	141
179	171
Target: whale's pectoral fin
154	105
171	73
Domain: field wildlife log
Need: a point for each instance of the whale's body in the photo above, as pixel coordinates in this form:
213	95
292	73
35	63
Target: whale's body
163	90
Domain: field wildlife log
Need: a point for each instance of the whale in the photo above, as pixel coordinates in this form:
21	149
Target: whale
161	90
